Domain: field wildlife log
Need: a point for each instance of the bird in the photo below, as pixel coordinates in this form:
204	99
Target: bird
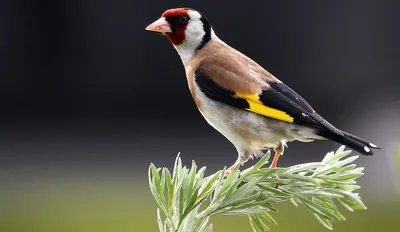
252	108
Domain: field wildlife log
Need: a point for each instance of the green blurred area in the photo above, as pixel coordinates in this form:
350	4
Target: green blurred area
397	158
123	205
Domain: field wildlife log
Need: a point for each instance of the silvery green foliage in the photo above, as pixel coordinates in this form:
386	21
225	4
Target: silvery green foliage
187	199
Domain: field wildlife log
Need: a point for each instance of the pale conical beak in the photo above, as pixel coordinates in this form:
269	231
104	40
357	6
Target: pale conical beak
161	25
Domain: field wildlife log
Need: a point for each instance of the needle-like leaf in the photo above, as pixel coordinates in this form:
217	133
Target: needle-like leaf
188	199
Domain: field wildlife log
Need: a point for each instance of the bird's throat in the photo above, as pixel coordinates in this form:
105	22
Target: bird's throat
177	37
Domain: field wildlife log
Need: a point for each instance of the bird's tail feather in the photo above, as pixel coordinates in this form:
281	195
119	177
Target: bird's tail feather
351	141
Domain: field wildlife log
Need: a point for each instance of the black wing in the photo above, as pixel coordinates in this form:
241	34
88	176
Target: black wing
282	103
282	97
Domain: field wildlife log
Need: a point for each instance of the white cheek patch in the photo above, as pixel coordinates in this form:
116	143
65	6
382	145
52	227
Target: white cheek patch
193	37
194	29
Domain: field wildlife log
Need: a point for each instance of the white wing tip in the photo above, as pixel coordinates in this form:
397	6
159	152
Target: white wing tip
373	145
366	149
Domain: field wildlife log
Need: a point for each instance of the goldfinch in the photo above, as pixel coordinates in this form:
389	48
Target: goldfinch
253	109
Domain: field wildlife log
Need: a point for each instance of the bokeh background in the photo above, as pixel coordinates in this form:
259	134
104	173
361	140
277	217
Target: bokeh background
88	99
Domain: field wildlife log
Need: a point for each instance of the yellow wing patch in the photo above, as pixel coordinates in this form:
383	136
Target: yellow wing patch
256	106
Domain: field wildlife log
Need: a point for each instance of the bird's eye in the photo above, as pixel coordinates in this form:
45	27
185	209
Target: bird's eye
183	19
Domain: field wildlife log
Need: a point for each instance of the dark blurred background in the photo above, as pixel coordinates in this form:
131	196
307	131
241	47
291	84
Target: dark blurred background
89	98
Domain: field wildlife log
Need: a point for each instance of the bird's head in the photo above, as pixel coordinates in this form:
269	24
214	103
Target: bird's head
187	29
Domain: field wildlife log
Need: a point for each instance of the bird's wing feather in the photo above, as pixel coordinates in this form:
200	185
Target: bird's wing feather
282	97
274	100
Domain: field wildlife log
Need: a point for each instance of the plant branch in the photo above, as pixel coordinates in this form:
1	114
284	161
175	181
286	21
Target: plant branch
187	199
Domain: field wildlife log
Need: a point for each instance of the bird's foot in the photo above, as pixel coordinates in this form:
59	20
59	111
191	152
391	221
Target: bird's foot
274	163
276	185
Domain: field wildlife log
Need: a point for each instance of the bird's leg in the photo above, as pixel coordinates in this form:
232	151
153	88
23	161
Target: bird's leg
244	156
278	152
231	168
275	160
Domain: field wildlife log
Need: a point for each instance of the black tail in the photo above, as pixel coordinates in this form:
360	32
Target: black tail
351	141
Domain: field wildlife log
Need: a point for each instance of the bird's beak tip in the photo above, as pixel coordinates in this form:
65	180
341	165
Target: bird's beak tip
161	25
